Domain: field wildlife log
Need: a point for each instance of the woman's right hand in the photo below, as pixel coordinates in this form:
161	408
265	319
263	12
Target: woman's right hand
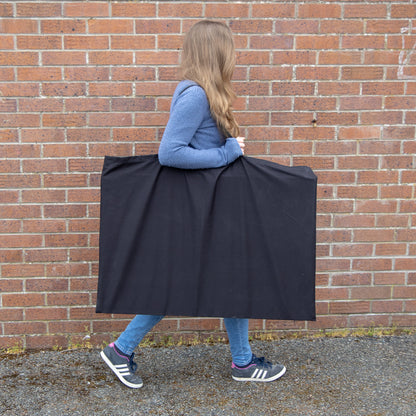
240	141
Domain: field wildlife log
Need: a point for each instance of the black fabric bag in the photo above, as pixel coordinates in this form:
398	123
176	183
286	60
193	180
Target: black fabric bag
236	241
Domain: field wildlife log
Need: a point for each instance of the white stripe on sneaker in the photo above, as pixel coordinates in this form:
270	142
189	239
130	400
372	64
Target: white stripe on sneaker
255	373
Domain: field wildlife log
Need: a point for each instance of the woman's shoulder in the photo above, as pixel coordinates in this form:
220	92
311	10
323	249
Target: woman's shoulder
191	92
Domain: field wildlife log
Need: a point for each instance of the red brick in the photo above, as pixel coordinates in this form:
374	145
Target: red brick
45	314
110	58
148	26
385	26
404	292
123	9
378	177
365	11
341	26
351	279
23	299
11	285
295	26
23	211
96	9
64	120
65	211
46	255
86	74
40	341
396	191
360	103
83	284
66	240
383	235
272	10
68	299
110	26
11	315
19	26
410	306
362	42
369	321
328	322
40	104
332	265
171	41
372	264
157	58
337	118
19	58
86	254
133	42
392	220
199	324
359	162
66	58
67	269
7	74
294	57
110	119
86	42
63	89
6	10
390	249
319	11
22	328
349	307
339	58
290	119
371	292
354	221
39	42
317	42
195	10
63	26
10	226
403	10
376	206
39	74
362	73
22	270
317	73
215	10
383	88
87	104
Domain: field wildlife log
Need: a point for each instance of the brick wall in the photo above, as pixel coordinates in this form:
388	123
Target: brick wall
332	86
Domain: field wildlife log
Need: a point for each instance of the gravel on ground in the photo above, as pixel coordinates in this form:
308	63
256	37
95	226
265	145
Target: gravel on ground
365	376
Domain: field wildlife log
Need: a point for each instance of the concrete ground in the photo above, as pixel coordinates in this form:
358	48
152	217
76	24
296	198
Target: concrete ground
366	376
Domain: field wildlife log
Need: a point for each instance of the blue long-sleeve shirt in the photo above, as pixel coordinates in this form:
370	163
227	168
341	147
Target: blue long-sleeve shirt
191	139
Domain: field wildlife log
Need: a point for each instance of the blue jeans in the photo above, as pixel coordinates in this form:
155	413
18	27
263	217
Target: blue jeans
140	325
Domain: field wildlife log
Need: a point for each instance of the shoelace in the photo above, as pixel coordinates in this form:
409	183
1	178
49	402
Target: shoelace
262	361
132	364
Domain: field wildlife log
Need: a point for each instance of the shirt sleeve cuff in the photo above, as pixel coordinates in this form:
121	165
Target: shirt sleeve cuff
233	149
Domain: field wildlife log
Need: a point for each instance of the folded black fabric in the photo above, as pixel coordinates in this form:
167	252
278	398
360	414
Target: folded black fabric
236	241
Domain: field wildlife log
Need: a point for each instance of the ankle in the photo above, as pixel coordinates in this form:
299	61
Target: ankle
118	350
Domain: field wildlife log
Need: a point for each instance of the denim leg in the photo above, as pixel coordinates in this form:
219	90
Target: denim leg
237	330
138	327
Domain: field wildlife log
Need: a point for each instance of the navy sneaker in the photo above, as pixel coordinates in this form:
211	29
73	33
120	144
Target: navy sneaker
258	370
122	365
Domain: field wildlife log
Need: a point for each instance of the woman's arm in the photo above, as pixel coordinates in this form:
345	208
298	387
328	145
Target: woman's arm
185	118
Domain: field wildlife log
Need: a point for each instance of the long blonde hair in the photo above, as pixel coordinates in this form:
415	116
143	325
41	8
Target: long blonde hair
208	58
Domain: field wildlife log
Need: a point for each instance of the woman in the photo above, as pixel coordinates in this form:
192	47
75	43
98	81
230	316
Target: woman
201	133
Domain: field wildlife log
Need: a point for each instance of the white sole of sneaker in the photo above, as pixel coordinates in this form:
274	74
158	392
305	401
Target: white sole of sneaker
275	377
120	377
